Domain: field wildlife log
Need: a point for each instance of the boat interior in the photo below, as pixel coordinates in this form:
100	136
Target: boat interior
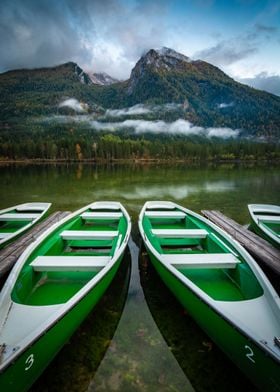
16	219
201	254
70	257
267	216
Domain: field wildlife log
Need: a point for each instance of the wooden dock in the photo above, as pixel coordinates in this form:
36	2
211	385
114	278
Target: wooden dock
265	254
10	254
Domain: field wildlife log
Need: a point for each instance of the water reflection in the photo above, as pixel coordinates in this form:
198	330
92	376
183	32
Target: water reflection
173	191
205	365
73	368
138	358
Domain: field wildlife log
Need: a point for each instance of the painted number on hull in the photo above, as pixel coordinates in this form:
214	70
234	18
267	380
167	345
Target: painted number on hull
250	354
29	362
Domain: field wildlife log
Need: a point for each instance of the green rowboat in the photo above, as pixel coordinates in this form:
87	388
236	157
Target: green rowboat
54	285
265	221
219	284
15	220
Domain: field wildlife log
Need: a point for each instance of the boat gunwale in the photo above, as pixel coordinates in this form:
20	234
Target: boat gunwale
201	295
28	225
63	309
262	227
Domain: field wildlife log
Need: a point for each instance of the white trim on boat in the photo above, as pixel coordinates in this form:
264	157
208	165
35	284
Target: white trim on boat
268	218
18	217
5	235
39	327
26	207
270	297
259	221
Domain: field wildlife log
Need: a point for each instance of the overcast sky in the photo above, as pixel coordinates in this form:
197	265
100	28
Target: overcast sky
242	37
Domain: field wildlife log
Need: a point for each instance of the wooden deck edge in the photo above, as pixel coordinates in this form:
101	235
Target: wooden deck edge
260	249
10	254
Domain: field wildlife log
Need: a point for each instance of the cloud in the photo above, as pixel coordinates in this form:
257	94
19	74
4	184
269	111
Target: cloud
227	52
74	104
142	109
178	127
167	191
225	105
239	47
130	111
264	81
49	32
267	29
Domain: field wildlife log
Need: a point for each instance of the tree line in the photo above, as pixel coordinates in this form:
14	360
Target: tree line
66	143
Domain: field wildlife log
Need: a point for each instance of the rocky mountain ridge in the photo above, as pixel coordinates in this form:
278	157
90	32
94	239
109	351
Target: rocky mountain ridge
210	98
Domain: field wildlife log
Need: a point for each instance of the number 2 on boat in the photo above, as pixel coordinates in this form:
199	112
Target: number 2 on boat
250	353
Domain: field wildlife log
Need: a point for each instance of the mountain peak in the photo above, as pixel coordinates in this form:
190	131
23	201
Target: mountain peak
164	58
102	78
167	52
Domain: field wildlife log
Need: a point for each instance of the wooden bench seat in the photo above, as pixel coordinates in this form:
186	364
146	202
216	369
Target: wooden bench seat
29	208
268	218
165	214
201	260
69	263
101	215
88	235
164	206
180	233
18	217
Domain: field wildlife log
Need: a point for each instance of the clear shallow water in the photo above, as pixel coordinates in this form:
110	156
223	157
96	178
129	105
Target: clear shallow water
123	330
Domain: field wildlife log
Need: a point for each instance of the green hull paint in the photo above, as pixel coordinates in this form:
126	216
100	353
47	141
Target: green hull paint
256	229
264	372
56	298
226	300
14	226
16	378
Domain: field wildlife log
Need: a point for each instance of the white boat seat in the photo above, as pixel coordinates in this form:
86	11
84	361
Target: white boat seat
180	233
268	218
69	263
165	214
202	260
101	215
166	206
18	217
4	235
31	208
88	235
104	206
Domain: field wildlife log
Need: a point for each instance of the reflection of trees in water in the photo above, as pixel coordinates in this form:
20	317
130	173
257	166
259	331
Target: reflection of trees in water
79	171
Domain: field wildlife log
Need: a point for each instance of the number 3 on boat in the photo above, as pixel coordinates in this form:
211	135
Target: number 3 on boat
54	285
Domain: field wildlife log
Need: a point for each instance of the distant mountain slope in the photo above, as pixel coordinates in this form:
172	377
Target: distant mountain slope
210	98
102	78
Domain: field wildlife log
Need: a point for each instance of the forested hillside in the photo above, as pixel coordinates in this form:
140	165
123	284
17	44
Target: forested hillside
170	107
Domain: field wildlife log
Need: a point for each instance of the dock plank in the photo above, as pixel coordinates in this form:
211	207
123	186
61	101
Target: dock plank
260	249
10	254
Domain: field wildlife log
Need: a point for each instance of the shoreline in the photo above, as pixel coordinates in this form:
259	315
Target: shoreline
140	161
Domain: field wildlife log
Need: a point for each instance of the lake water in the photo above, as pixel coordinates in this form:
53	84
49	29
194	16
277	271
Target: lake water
139	338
